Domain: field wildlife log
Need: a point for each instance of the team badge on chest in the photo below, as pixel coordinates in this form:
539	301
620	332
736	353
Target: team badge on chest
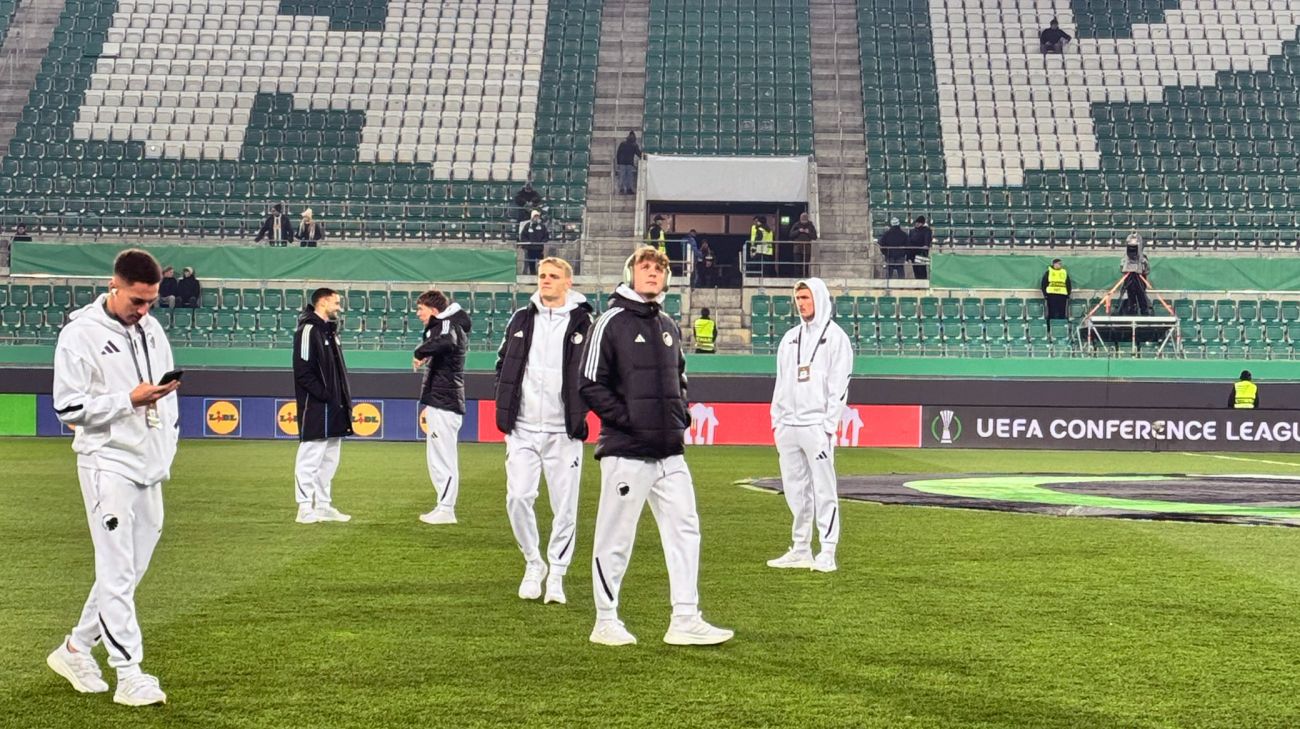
668	339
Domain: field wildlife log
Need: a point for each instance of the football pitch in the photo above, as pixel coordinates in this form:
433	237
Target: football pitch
936	618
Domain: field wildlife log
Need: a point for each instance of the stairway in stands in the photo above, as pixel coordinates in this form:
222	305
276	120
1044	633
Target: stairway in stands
620	107
25	42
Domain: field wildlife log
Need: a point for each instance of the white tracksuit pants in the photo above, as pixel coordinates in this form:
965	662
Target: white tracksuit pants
440	453
529	454
125	521
314	469
625	486
807	458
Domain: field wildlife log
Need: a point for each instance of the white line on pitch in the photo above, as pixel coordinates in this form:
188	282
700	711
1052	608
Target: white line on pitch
1247	460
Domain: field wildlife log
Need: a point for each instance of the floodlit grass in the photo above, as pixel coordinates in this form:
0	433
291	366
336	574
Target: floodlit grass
937	618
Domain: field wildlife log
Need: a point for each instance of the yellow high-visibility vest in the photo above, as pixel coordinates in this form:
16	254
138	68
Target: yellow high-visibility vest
705	331
760	241
1243	394
660	241
1056	281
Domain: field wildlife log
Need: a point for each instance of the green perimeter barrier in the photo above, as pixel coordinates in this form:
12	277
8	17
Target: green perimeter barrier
1082	368
1168	272
17	415
265	263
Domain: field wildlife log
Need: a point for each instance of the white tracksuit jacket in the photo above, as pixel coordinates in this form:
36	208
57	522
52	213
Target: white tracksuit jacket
542	407
821	399
93	378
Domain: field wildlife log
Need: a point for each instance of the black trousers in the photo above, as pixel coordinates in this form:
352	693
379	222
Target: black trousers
1058	306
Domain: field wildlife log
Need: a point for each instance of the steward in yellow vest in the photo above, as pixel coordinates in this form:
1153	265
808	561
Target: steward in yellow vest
1056	289
1245	393
706	333
656	236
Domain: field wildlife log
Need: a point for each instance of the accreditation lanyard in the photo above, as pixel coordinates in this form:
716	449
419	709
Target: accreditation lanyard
805	368
151	412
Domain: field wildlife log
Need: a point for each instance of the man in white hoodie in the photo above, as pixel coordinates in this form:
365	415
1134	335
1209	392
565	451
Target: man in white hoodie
108	360
544	418
813	365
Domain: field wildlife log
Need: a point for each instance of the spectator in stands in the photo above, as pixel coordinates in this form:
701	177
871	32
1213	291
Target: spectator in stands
20	234
1056	287
167	289
533	235
690	249
919	239
526	200
803	233
706	270
310	232
893	245
625	164
1053	39
1245	394
188	290
762	249
276	228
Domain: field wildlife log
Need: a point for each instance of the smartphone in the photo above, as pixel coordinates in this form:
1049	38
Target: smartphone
170	377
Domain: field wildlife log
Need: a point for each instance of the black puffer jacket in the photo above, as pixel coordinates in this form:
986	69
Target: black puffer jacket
320	380
512	362
634	378
445	340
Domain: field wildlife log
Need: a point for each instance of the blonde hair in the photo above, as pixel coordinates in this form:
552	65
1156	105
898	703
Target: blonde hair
559	263
306	214
649	253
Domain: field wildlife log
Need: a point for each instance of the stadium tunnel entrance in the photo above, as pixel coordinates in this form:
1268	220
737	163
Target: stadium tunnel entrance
719	197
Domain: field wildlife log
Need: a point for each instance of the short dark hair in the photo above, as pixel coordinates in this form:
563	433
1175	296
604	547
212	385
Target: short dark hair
276	207
434	299
919	219
1245	374
134	266
704	311
322	293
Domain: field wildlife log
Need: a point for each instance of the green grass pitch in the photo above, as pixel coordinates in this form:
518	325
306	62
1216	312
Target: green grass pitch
937	618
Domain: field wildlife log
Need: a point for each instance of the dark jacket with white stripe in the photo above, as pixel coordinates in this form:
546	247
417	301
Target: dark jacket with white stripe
634	378
512	363
320	380
446	338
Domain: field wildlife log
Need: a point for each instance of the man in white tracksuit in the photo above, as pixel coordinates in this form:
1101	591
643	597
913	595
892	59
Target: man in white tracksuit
106	364
813	365
634	379
540	410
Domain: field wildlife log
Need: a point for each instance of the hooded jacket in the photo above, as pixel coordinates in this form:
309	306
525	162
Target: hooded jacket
539	365
97	362
825	348
634	378
446	338
320	380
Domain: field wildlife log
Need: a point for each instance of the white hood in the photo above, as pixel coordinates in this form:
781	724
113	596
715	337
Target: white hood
823	347
542	406
571	302
97	362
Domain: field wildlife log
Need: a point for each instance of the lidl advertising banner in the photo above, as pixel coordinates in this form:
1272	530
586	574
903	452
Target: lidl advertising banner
892	426
1125	429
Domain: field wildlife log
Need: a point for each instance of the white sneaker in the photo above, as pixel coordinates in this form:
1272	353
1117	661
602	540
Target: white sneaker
825	562
329	513
306	515
611	632
695	631
81	669
139	690
531	586
440	515
555	589
794	559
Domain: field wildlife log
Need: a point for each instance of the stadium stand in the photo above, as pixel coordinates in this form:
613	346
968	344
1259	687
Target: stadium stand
1179	121
177	111
731	78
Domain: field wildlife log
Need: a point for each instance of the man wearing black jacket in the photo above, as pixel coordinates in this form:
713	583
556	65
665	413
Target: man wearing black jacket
324	406
442	393
634	379
544	420
276	228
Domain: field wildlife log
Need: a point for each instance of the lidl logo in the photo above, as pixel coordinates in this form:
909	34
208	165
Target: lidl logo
221	417
286	418
368	419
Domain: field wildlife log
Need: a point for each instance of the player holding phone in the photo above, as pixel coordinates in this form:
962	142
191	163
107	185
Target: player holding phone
105	365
